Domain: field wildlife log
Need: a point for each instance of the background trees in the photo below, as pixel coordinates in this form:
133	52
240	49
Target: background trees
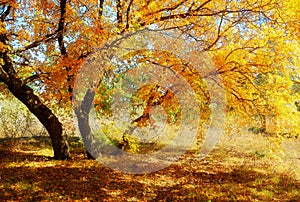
253	44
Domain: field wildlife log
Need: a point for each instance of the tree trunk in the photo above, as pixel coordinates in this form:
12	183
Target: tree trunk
43	113
25	94
82	113
85	131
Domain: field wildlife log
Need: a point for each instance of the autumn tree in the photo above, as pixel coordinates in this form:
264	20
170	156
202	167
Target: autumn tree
45	44
18	70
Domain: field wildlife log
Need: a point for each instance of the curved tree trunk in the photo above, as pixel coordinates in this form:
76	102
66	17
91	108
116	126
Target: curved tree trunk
25	94
43	113
82	113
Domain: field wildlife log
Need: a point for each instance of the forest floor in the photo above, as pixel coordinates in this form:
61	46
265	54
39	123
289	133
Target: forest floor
241	168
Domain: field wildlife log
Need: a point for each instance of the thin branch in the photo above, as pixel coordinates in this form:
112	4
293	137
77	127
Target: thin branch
194	13
30	79
34	44
100	10
167	9
218	36
5	13
127	14
202	5
119	12
61	27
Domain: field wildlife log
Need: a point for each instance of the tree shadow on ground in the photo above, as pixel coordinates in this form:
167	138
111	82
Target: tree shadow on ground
241	183
29	177
8	156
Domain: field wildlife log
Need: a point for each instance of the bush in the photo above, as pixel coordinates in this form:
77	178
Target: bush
17	121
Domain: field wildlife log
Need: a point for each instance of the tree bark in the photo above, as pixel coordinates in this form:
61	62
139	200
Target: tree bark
43	113
82	113
26	95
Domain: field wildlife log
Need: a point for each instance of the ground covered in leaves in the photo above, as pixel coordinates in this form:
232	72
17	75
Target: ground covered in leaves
239	170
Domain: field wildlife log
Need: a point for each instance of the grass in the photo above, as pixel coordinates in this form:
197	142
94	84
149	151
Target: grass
241	168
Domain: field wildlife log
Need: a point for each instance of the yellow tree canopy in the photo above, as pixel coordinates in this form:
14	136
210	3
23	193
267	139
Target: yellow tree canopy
254	44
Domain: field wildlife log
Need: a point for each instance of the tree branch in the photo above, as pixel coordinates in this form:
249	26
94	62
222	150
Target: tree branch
5	13
127	14
119	12
33	77
61	27
34	44
194	13
100	10
167	8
